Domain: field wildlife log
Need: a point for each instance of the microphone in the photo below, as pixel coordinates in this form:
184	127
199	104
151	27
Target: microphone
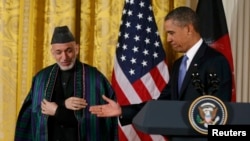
196	81
213	83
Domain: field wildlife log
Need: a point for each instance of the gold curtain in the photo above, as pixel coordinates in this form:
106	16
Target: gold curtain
26	28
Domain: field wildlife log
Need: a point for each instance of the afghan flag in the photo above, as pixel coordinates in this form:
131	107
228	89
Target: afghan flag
215	32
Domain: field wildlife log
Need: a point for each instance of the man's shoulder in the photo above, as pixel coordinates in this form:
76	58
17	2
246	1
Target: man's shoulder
45	70
211	51
89	66
92	70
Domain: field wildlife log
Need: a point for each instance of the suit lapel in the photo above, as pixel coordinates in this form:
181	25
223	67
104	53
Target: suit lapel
194	65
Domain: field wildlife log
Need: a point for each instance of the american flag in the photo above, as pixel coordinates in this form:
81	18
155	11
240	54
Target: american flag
140	69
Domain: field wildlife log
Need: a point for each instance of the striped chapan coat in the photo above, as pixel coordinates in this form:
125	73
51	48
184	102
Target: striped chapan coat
88	83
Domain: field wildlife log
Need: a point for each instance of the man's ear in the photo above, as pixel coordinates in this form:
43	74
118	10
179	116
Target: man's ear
190	29
51	50
77	47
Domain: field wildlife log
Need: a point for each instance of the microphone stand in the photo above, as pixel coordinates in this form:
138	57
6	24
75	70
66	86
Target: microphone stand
196	81
213	83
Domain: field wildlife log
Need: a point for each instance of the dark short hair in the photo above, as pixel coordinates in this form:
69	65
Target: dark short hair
184	15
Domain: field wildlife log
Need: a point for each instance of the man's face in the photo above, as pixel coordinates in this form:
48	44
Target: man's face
177	36
65	54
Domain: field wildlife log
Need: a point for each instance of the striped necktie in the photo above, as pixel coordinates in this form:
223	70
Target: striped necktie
182	71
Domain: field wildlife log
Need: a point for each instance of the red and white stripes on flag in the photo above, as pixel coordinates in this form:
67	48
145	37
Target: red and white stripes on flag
140	69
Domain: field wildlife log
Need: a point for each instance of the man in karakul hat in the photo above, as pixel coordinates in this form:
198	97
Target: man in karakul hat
57	105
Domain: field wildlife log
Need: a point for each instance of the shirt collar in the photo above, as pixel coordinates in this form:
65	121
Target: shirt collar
192	51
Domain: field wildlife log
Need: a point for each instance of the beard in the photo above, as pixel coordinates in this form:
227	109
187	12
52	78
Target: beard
65	68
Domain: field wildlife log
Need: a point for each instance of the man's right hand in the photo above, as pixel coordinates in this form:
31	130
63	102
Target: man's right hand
111	109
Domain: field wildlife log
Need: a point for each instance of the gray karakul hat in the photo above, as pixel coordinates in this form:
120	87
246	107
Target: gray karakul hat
62	34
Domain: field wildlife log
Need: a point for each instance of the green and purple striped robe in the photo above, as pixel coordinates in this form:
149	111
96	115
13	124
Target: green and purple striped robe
88	83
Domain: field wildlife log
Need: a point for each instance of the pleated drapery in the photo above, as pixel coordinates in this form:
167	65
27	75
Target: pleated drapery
26	28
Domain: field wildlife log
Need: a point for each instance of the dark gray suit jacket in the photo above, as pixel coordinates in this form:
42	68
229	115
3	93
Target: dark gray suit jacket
206	61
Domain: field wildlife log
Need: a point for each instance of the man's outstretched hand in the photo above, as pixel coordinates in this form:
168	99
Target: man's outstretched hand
111	109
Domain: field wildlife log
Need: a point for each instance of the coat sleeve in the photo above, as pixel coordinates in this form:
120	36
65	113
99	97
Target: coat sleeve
129	112
223	88
23	131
